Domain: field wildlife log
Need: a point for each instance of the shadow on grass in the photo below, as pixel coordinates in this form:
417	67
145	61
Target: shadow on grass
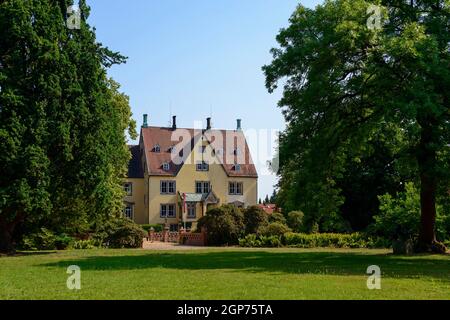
335	263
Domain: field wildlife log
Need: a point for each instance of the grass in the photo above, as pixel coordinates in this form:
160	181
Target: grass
229	273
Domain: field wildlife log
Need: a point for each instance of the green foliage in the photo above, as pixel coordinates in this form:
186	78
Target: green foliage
120	233
295	220
86	244
334	240
44	239
254	218
274	229
254	241
277	217
224	225
156	227
62	123
399	217
344	84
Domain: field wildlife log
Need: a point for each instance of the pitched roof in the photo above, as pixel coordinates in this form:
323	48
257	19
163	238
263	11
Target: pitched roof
134	166
162	137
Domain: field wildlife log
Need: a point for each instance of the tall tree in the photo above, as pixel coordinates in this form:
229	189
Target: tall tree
62	121
346	81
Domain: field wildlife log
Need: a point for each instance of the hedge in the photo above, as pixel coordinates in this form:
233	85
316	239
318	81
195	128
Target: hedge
334	240
317	240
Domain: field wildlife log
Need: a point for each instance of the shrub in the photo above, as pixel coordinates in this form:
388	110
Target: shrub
63	241
127	234
44	239
277	217
224	225
334	240
254	241
86	244
274	229
295	220
254	218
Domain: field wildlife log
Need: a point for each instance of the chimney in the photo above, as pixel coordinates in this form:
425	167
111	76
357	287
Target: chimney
145	124
174	122
239	125
208	123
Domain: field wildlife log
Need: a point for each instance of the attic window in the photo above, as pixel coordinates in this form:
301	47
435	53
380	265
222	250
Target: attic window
237	167
173	149
237	152
166	166
157	148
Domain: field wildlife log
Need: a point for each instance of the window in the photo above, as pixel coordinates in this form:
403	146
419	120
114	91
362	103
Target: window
237	152
202	187
157	148
202	166
167	211
173	149
166	166
202	149
128	211
236	188
191	210
173	228
128	187
167	187
237	167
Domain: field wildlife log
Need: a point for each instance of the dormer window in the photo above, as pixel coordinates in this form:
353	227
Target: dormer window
202	166
173	149
157	148
166	166
237	167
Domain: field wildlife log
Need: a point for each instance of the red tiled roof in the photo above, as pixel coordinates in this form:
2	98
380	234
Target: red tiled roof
269	208
152	136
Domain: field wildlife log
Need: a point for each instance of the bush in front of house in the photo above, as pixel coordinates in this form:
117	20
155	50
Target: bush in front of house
118	232
224	225
254	219
274	229
254	241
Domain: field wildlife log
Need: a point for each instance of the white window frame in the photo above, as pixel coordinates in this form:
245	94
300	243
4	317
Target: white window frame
203	185
166	207
166	166
233	188
168	184
130	208
202	166
191	207
128	188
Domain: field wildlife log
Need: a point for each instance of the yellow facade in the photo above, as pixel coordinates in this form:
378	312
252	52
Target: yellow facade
147	198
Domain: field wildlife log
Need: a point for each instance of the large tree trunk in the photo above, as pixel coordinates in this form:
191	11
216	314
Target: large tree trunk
427	160
6	238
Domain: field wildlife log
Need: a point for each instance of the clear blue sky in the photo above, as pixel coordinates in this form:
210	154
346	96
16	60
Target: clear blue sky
196	58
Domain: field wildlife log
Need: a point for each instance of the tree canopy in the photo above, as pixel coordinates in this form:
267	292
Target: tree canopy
62	121
347	87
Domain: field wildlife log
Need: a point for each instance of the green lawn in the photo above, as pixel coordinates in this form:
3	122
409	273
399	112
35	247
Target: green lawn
224	274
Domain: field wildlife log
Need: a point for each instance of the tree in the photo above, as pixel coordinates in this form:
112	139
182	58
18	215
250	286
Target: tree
62	122
345	81
266	199
295	220
224	225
